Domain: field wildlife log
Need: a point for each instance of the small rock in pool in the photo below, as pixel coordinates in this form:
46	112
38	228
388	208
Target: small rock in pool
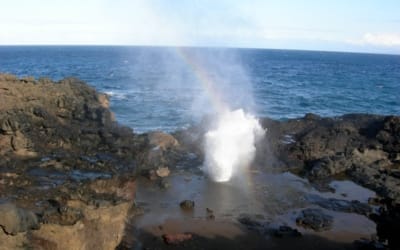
210	217
315	219
151	174
175	239
163	172
164	184
187	204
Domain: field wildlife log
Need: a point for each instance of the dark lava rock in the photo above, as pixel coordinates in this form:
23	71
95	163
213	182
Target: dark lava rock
210	214
164	184
150	174
315	219
328	166
389	136
253	223
68	117
187	205
340	205
286	232
59	128
62	215
63	156
364	147
388	223
14	220
364	244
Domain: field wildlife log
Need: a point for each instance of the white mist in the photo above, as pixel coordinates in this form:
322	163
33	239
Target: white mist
230	146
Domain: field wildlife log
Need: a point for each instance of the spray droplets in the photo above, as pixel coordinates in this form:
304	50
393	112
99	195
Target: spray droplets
230	147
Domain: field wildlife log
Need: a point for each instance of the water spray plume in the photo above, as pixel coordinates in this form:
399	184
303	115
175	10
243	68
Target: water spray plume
230	147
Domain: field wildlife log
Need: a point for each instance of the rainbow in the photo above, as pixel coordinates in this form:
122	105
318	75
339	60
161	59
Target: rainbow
204	78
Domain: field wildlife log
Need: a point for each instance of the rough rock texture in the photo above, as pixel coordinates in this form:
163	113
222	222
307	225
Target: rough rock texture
66	168
91	216
42	117
363	147
159	150
315	219
14	220
187	204
99	228
340	205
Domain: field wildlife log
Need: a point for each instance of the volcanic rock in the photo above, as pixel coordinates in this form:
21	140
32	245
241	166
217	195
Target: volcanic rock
43	118
286	232
164	184
14	220
187	204
175	239
363	147
253	223
65	163
315	219
162	172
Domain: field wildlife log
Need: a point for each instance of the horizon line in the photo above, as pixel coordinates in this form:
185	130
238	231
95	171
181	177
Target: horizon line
198	46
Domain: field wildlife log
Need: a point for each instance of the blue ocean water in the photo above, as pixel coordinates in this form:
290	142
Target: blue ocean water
158	88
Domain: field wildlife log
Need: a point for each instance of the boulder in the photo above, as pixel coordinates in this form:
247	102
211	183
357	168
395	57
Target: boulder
187	205
315	219
162	140
100	228
15	220
162	172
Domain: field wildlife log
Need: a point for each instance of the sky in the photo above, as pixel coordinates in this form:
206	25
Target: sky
339	25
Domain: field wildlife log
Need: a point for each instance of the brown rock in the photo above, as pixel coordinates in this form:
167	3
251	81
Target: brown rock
162	140
14	220
162	172
175	239
118	186
100	228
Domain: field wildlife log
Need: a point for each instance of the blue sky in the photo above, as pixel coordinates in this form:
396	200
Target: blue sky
340	25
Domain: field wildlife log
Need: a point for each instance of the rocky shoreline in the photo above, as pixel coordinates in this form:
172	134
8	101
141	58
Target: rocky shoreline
68	171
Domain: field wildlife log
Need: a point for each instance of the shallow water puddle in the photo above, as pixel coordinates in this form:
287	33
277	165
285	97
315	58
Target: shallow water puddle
275	199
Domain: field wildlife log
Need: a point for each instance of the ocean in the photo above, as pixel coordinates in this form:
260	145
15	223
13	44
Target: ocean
167	88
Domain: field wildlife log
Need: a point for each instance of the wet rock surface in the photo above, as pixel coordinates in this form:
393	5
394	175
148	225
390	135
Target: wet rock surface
66	167
362	147
187	205
286	232
315	219
340	205
68	172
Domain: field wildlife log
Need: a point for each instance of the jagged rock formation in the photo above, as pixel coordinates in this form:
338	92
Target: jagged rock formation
67	169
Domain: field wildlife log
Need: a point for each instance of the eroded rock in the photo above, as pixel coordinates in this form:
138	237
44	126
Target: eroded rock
15	220
187	205
162	172
315	219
